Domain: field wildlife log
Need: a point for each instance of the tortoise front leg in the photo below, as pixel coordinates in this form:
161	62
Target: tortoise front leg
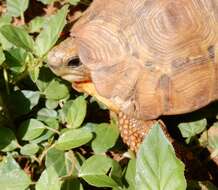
133	131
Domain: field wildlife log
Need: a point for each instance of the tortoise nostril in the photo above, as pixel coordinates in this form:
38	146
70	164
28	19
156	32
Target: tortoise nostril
74	62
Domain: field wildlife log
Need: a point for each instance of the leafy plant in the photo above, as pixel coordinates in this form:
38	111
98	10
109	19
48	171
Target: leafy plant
48	139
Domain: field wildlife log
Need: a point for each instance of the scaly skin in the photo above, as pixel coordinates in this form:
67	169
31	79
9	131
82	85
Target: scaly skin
132	130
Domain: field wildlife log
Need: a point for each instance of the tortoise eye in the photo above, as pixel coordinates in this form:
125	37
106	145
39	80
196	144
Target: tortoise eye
74	62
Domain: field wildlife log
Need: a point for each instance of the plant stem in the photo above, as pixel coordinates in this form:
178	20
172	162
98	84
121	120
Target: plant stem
53	130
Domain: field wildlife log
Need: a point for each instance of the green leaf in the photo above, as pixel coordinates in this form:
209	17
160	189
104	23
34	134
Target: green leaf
130	175
94	171
2	56
51	123
16	59
32	96
74	2
191	129
56	159
72	184
48	180
75	112
73	138
17	36
56	90
157	167
29	149
5	20
11	176
50	34
19	104
6	45
45	77
34	73
47	1
31	129
110	134
45	113
65	163
16	7
212	136
8	141
36	24
51	104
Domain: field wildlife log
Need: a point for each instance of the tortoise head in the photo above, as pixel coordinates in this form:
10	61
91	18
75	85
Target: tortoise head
64	61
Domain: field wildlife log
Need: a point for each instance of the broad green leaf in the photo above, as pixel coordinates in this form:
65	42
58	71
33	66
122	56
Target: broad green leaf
32	96
73	138
45	77
130	175
50	33
31	129
6	45
11	176
75	112
21	102
2	56
29	149
16	7
16	59
36	24
191	129
8	141
109	132
51	104
65	163
56	90
72	184
5	20
95	169
46	135
157	167
56	159
48	180
74	2
47	1
34	73
17	36
213	137
18	104
45	113
51	123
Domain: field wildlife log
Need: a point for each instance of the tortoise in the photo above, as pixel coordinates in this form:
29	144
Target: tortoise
143	59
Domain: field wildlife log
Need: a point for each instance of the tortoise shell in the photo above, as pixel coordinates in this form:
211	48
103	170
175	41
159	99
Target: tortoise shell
149	57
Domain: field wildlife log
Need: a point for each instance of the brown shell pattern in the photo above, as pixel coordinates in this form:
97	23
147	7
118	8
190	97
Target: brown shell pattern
151	57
